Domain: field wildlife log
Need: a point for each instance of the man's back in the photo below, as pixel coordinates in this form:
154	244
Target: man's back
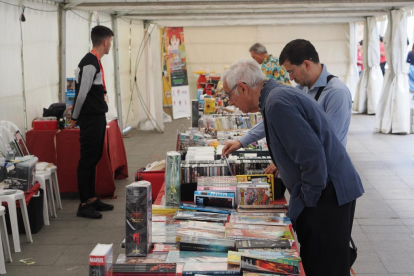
305	148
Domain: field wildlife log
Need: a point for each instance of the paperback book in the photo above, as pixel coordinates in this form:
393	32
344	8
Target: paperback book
260	265
253	244
198	233
259	178
263	220
210	269
203	226
165	269
205	245
253	194
202	208
234	257
196	257
164	248
258	234
150	259
201	216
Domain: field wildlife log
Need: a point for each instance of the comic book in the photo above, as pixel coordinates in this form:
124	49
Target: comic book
234	257
210	269
150	259
263	220
202	216
164	248
196	257
203	226
260	265
206	245
253	194
212	209
253	244
258	234
258	179
199	233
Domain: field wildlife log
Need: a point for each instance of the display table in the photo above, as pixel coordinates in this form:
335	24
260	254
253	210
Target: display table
62	148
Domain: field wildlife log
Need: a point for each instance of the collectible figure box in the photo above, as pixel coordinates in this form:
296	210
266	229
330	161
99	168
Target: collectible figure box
100	260
138	219
70	99
216	199
18	175
259	179
253	194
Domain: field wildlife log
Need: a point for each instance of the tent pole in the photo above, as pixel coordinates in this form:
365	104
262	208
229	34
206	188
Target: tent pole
117	78
62	54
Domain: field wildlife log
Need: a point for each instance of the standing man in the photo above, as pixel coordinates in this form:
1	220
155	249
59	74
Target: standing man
301	61
89	113
314	165
270	65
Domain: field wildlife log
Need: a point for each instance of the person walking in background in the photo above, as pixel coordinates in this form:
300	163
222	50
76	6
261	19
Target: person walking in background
360	64
383	59
410	60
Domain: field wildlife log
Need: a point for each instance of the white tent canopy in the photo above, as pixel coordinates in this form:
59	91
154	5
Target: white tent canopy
36	59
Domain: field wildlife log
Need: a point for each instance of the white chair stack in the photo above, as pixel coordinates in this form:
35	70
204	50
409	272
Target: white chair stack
5	254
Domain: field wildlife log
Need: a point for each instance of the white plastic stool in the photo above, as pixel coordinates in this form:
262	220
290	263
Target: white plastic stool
53	172
4	236
11	202
45	180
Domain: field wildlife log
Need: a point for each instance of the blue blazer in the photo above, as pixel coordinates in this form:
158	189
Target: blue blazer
305	148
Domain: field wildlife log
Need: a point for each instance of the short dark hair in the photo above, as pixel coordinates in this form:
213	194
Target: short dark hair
297	51
258	48
99	34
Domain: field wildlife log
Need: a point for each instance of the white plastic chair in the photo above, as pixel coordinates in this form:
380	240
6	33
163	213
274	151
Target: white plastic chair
5	254
45	182
53	172
10	126
11	202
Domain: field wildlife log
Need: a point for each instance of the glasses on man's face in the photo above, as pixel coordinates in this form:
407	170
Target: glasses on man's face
290	72
228	94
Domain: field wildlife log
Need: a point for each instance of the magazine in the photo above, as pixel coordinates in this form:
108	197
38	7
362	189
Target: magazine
263	220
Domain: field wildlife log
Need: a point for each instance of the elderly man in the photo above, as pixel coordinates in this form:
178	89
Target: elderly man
314	165
270	64
301	61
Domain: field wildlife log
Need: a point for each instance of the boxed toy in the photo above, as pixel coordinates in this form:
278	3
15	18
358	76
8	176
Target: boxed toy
138	219
100	260
70	99
70	84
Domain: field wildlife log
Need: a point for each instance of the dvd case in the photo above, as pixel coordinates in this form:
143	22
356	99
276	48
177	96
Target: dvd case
138	219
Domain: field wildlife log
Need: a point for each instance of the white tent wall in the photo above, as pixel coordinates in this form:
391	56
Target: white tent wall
214	47
41	55
11	97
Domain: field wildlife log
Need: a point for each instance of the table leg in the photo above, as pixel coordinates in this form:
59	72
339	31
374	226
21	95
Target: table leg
25	216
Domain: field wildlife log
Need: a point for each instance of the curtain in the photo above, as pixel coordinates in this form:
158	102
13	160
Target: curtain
370	83
394	106
353	75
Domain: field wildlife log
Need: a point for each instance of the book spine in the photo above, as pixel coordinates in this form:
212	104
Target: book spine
215	194
217	272
204	247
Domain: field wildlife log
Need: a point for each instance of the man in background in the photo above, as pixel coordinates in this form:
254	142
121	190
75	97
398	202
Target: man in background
89	113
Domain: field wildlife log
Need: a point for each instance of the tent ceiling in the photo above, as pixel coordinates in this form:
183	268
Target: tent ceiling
233	12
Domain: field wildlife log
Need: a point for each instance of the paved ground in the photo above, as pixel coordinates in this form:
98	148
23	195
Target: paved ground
384	220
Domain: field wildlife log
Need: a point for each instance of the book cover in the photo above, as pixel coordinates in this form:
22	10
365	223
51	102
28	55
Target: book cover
164	248
270	206
223	189
287	253
215	194
190	206
207	245
138	219
198	233
263	220
196	257
258	234
100	260
203	216
210	269
260	265
164	239
259	178
251	244
234	257
203	226
214	201
256	194
145	268
149	259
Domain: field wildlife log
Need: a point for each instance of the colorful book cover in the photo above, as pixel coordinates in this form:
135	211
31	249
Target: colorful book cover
203	216
206	245
215	194
246	219
256	194
145	268
151	258
199	234
211	209
234	258
214	201
254	264
196	257
286	253
258	234
164	248
259	178
223	189
270	206
252	244
203	226
210	269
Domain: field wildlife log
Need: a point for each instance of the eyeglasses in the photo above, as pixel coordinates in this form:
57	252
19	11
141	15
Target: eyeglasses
292	71
228	95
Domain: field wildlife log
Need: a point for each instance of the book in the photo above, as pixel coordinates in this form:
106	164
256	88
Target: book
253	194
190	206
291	253
207	245
210	269
202	216
224	189
261	265
100	260
217	181
198	233
164	248
203	225
149	259
215	199
270	206
161	209
252	244
258	234
259	178
264	214
138	218
151	269
234	257
263	220
164	239
196	257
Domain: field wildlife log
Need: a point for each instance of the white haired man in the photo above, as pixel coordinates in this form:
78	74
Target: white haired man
313	163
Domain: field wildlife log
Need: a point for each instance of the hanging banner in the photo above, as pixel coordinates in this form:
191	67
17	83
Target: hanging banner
175	72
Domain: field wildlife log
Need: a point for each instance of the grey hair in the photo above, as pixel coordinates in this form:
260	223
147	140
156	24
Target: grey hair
258	48
244	70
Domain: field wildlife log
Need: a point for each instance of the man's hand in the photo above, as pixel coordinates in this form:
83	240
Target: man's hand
72	124
272	169
231	146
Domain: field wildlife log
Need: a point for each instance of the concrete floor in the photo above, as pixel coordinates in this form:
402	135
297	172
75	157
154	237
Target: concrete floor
384	219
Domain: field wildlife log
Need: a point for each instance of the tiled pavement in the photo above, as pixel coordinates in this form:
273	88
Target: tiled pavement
384	219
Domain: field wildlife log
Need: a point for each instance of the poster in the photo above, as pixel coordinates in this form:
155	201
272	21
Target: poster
181	102
175	71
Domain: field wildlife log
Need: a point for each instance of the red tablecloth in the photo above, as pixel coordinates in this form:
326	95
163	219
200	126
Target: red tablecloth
65	155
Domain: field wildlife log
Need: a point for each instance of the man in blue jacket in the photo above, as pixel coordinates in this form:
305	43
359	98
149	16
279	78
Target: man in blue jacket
313	163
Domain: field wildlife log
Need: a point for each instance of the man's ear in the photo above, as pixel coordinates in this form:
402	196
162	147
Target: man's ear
307	64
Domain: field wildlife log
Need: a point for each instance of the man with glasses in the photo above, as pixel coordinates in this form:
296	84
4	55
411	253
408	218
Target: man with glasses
313	162
301	61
